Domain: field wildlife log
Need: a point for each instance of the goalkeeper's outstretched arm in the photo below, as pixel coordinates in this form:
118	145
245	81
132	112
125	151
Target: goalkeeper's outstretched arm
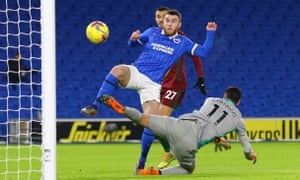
247	148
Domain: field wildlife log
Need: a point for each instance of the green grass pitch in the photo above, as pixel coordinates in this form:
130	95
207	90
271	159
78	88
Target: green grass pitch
276	160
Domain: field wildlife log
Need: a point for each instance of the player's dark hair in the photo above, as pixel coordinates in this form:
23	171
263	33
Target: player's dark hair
174	12
234	93
162	8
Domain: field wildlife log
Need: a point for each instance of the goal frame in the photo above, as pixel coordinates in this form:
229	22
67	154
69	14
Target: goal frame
48	57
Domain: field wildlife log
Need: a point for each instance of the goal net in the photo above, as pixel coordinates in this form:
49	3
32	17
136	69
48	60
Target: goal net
27	116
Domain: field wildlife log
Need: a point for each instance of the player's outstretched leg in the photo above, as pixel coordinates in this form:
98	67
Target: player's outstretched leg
90	110
108	86
112	103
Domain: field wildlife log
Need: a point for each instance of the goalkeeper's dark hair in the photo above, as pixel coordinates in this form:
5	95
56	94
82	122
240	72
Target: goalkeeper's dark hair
174	12
162	8
234	94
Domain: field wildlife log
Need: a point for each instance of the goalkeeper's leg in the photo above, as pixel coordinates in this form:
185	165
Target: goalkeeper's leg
153	171
175	170
166	108
132	113
136	116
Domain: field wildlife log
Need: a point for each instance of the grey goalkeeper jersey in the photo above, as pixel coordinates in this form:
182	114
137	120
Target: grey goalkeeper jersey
218	116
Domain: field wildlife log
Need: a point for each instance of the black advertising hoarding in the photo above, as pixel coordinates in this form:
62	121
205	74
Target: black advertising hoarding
98	130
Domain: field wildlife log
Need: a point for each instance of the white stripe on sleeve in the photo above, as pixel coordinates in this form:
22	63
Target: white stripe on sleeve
193	49
139	41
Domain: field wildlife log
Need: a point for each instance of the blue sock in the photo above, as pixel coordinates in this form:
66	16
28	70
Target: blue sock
147	140
109	85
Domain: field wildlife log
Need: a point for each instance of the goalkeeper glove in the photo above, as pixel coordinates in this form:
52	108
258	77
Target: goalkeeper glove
221	143
200	84
251	156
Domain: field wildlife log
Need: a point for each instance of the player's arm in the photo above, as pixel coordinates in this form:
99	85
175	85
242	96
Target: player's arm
247	148
198	65
137	38
199	68
203	50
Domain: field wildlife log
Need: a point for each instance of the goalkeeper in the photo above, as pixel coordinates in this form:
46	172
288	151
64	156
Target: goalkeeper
191	131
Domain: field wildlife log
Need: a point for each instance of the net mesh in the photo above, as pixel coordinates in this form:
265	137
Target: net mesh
20	89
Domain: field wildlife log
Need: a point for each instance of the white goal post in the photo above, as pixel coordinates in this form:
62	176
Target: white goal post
27	90
48	89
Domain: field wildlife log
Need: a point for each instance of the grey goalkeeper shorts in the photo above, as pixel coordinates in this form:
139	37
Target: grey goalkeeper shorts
182	136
